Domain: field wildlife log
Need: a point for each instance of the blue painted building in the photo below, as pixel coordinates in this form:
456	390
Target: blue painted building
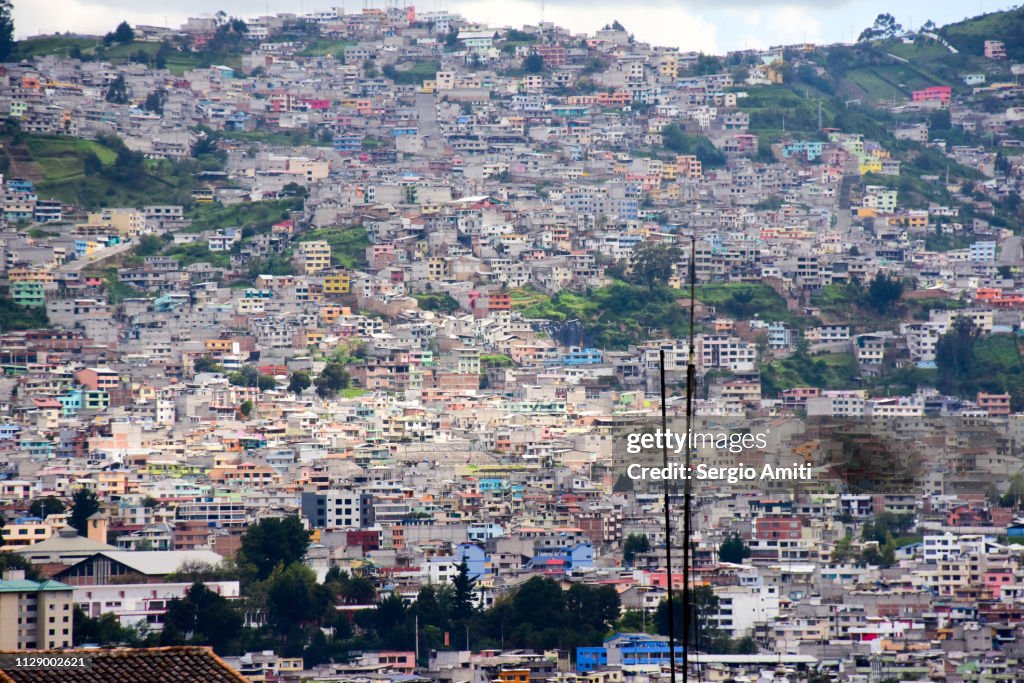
564	560
626	649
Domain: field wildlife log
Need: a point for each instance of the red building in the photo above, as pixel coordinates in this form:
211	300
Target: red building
942	93
772	527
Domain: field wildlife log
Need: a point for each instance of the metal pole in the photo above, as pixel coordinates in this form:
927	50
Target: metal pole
668	534
691	380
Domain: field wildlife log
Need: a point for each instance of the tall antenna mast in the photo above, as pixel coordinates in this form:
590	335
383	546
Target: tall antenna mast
691	380
668	534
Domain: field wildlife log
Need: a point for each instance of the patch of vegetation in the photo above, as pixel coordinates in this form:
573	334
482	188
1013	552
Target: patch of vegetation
676	140
257	216
294	138
198	252
744	300
16	317
970	35
838	371
419	72
525	297
437	301
118	291
322	47
62	46
945	241
94	174
969	362
348	245
620	314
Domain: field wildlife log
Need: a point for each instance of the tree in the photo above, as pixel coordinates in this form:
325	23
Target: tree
246	408
885	26
294	189
271	542
533	63
635	543
155	101
883	291
266	382
246	376
332	380
954	356
206	364
91	164
704	606
295	604
117	93
940	120
124	33
733	549
465	592
842	552
84	504
104	630
652	263
299	382
883	555
745	646
1015	493
6	30
675	139
207	144
150	245
202	617
42	507
9	561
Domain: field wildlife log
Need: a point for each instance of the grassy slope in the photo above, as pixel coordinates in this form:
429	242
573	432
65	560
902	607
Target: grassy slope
970	35
92	47
348	245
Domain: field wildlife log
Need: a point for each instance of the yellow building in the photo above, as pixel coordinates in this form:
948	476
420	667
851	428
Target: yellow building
329	314
668	65
337	283
127	222
689	166
314	256
35	615
30	275
25	534
513	676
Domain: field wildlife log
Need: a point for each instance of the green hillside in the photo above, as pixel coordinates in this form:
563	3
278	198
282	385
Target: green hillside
969	36
94	174
92	48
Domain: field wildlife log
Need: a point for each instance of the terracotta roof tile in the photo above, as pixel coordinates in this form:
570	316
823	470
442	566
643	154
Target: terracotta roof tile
140	665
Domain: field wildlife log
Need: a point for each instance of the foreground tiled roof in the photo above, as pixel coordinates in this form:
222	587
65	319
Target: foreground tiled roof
141	665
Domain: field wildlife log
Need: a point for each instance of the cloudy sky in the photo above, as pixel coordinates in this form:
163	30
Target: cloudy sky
706	25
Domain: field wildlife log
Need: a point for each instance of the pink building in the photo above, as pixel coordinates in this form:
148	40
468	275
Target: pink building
942	93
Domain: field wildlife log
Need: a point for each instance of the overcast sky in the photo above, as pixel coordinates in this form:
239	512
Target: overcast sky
708	25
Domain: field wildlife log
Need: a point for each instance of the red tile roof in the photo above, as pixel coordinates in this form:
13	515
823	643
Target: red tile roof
140	665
